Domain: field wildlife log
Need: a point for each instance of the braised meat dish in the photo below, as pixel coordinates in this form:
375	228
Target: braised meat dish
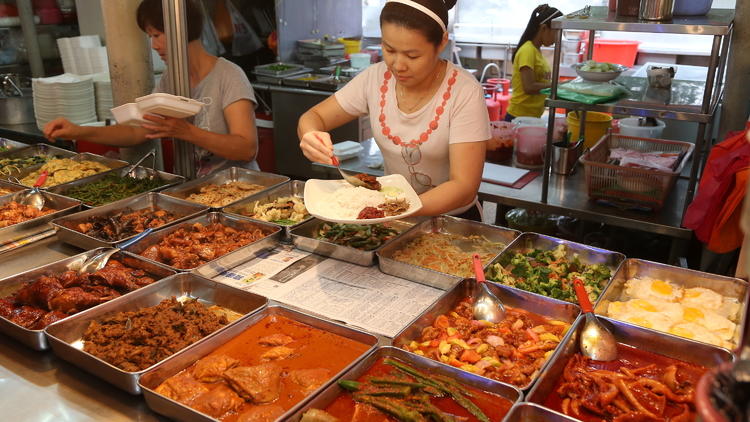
56	296
370	182
193	246
123	224
13	213
135	340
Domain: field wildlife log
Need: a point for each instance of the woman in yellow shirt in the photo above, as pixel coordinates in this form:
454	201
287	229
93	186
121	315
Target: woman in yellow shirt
531	72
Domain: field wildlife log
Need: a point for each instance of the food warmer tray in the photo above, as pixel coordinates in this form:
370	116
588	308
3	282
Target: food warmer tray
267	69
727	286
330	83
26	151
183	209
141	173
65	337
442	224
11	144
12	187
61	204
524	412
295	188
327	396
178	411
303	237
587	254
302	80
532	302
232	174
224	262
84	156
639	338
35	339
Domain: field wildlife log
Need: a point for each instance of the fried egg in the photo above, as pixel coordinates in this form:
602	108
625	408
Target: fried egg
655	315
701	297
696	332
714	322
653	289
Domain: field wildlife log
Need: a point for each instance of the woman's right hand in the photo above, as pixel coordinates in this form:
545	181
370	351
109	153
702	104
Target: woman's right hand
317	146
61	128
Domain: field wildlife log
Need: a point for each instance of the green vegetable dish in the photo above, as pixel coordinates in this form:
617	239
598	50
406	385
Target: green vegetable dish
550	273
362	237
112	188
9	165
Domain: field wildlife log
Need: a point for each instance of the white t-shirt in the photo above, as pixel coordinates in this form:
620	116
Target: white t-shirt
465	119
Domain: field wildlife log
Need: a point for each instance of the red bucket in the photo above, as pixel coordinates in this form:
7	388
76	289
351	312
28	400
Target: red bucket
616	51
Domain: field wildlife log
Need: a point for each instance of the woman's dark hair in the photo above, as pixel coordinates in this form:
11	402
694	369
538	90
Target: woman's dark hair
409	17
150	13
542	15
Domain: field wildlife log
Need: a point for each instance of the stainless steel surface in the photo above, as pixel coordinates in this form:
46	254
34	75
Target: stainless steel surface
550	308
9	144
442	224
12	187
84	156
233	174
487	306
99	260
178	411
37	149
586	254
687	278
35	339
226	261
65	337
301	80
305	237
565	158
531	412
330	83
266	69
327	396
716	22
66	233
61	205
656	10
295	188
595	341
640	338
17	110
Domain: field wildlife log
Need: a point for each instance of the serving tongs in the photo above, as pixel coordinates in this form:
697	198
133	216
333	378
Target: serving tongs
99	261
136	172
34	197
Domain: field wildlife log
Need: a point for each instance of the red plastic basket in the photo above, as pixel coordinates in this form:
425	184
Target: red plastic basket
621	52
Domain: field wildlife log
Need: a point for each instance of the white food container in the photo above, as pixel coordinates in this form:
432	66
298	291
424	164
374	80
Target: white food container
128	114
346	150
168	105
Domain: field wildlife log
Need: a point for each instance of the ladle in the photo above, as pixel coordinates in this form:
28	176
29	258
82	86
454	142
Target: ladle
596	341
351	179
487	306
35	198
98	261
150	172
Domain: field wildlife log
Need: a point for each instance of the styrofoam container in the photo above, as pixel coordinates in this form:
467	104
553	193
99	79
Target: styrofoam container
360	60
346	150
128	114
629	127
168	105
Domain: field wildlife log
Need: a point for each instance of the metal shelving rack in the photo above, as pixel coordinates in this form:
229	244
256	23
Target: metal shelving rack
689	101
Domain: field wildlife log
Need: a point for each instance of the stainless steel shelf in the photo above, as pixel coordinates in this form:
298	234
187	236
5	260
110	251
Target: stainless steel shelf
716	22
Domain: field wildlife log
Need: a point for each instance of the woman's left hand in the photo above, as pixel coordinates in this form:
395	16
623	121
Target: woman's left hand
166	127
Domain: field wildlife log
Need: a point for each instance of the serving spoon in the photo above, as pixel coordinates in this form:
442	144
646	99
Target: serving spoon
487	306
150	172
35	198
98	261
596	341
351	179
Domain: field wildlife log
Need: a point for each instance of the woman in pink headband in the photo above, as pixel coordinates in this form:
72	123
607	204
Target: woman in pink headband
428	116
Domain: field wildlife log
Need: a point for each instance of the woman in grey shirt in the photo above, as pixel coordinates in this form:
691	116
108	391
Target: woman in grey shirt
224	131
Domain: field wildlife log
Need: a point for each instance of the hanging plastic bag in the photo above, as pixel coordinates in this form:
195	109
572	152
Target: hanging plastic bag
245	39
209	37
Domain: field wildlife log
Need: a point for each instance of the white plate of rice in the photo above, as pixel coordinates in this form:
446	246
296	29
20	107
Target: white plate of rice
339	202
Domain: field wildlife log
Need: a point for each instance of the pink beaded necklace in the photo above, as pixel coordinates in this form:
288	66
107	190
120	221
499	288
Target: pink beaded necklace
424	136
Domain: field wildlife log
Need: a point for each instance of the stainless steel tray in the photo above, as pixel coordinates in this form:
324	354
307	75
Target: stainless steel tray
224	262
525	412
169	180
65	336
66	233
84	156
322	400
266	69
640	338
295	188
587	254
61	204
31	150
303	238
295	80
35	339
330	83
11	144
727	286
441	224
232	174
12	187
178	411
541	305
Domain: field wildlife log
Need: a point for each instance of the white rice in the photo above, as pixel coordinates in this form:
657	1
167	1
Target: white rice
345	203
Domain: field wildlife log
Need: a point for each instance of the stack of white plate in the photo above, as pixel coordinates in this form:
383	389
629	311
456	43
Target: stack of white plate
76	57
66	95
103	94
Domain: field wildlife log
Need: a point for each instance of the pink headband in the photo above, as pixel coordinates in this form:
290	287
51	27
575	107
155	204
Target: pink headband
422	9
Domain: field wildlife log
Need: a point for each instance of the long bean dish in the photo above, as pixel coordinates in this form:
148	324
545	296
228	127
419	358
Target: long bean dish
112	188
123	224
638	386
64	170
192	246
220	195
285	210
362	237
13	213
550	273
513	350
10	165
440	252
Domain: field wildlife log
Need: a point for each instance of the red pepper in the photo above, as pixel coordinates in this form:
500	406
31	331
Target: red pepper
456	363
442	322
470	356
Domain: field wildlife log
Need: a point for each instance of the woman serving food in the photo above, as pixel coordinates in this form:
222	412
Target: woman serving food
428	116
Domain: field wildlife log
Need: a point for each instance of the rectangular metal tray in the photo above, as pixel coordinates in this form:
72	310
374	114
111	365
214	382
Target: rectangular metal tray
329	83
587	254
327	396
532	302
266	69
727	286
12	187
84	156
303	237
169	179
63	206
11	144
441	224
178	411
35	339
31	150
65	337
295	188
640	338
224	262
525	412
65	233
232	174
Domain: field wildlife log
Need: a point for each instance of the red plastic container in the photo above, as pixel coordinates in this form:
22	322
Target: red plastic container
616	51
